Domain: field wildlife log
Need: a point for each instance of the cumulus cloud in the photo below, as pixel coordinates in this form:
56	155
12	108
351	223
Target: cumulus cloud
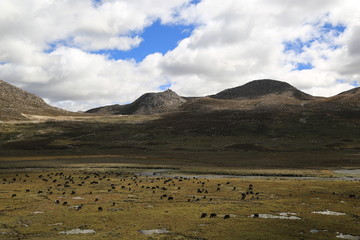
56	48
238	41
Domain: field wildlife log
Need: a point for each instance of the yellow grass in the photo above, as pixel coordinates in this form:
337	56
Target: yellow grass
139	207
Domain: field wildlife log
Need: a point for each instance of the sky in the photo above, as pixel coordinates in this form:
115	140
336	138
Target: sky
80	54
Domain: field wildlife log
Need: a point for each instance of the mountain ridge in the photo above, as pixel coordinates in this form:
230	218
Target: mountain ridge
262	93
14	102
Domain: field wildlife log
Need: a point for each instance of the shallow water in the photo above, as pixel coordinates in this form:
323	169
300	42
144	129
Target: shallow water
348	171
327	212
162	172
154	172
78	231
347	236
154	231
77	198
317	230
289	216
38	212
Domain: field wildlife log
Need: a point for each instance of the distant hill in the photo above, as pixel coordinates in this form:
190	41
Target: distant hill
258	94
348	100
351	92
14	102
260	88
265	94
147	104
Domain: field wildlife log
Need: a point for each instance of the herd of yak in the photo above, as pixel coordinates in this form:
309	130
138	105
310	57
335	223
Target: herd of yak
59	185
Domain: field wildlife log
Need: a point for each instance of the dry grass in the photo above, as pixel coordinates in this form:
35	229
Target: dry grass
90	118
139	207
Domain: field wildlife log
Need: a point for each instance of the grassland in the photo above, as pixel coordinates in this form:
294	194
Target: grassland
224	140
278	147
132	202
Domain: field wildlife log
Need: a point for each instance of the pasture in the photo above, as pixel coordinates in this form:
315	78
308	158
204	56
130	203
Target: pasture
140	203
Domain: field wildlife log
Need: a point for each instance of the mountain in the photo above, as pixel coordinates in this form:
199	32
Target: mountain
14	102
258	94
345	104
261	95
261	88
115	109
348	98
147	104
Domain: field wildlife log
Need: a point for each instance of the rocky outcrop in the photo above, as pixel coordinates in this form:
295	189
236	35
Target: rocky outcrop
14	102
147	104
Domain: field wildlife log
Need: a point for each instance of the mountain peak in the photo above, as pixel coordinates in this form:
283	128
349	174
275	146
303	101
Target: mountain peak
259	88
14	102
146	104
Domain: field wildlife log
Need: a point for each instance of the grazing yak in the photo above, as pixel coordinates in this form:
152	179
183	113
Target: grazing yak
213	215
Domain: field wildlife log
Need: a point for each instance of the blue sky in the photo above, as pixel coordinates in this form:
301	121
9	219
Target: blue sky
298	46
66	51
157	37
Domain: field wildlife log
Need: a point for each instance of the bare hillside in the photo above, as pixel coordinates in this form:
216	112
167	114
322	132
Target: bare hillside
14	102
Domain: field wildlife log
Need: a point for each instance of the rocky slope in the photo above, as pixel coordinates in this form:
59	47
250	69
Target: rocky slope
256	94
14	102
147	104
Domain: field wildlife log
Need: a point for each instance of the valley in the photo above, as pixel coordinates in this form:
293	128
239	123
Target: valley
278	164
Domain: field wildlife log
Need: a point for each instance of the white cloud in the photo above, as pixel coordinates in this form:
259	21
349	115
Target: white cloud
239	41
45	47
104	43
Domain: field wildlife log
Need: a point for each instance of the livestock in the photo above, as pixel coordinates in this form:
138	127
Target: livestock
226	216
77	208
100	209
243	196
213	215
203	215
